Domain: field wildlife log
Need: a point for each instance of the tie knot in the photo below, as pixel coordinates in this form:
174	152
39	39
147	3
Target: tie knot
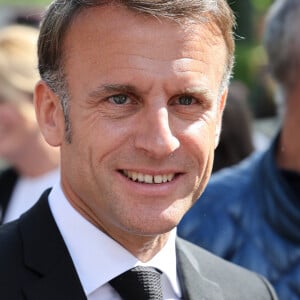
143	283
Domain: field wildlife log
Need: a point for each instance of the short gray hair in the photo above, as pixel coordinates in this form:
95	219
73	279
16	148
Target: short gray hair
282	41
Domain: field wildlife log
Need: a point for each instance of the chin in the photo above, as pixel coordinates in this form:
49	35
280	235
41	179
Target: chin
154	226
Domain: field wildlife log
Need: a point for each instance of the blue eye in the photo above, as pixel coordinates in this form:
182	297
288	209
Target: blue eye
118	99
185	100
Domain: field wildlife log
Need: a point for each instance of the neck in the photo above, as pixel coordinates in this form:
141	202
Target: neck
145	248
289	145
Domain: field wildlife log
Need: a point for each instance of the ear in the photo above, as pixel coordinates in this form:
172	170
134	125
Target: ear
49	114
220	110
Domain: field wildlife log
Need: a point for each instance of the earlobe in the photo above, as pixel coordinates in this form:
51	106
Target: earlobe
49	114
221	107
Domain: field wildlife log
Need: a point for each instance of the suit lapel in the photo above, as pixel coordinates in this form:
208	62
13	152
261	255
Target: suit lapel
58	284
194	285
46	255
53	272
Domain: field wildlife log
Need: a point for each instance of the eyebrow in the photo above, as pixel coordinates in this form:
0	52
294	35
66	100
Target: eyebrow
127	88
200	91
109	88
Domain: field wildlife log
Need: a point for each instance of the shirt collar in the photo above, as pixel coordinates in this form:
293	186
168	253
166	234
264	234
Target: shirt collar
98	258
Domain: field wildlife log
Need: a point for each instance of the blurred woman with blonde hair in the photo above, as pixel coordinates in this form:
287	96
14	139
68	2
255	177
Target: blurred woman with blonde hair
32	163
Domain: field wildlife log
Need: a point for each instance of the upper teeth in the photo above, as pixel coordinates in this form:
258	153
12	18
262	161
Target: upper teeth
146	178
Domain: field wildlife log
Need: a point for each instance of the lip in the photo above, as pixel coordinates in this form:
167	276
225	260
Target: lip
150	189
149	178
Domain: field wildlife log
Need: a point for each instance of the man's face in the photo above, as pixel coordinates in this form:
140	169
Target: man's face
145	112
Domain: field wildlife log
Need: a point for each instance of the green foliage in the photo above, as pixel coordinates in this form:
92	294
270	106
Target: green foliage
261	5
250	55
249	59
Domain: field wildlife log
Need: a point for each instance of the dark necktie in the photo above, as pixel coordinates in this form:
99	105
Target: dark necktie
142	283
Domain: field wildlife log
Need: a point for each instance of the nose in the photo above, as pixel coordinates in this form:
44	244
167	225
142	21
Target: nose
154	134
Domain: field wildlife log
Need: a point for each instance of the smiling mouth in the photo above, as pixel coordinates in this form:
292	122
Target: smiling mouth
147	178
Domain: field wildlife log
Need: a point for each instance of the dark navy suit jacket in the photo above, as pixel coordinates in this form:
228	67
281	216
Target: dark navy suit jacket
35	265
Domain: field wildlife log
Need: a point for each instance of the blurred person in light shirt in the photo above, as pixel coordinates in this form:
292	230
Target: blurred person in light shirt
32	163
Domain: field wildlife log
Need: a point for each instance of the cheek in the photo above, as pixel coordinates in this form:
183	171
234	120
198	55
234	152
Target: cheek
200	137
102	136
199	140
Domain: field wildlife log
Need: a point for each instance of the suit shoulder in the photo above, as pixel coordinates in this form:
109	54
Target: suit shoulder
9	237
10	250
235	282
13	273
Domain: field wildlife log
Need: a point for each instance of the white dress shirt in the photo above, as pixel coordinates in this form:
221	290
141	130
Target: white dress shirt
98	258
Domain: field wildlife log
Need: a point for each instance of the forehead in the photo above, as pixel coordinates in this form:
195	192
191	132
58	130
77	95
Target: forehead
115	38
119	19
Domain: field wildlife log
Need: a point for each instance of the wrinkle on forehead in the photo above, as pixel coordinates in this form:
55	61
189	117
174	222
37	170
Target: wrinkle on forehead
132	43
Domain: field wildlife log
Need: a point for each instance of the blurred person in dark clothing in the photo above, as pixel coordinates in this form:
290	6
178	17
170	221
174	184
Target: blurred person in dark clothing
236	142
250	213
